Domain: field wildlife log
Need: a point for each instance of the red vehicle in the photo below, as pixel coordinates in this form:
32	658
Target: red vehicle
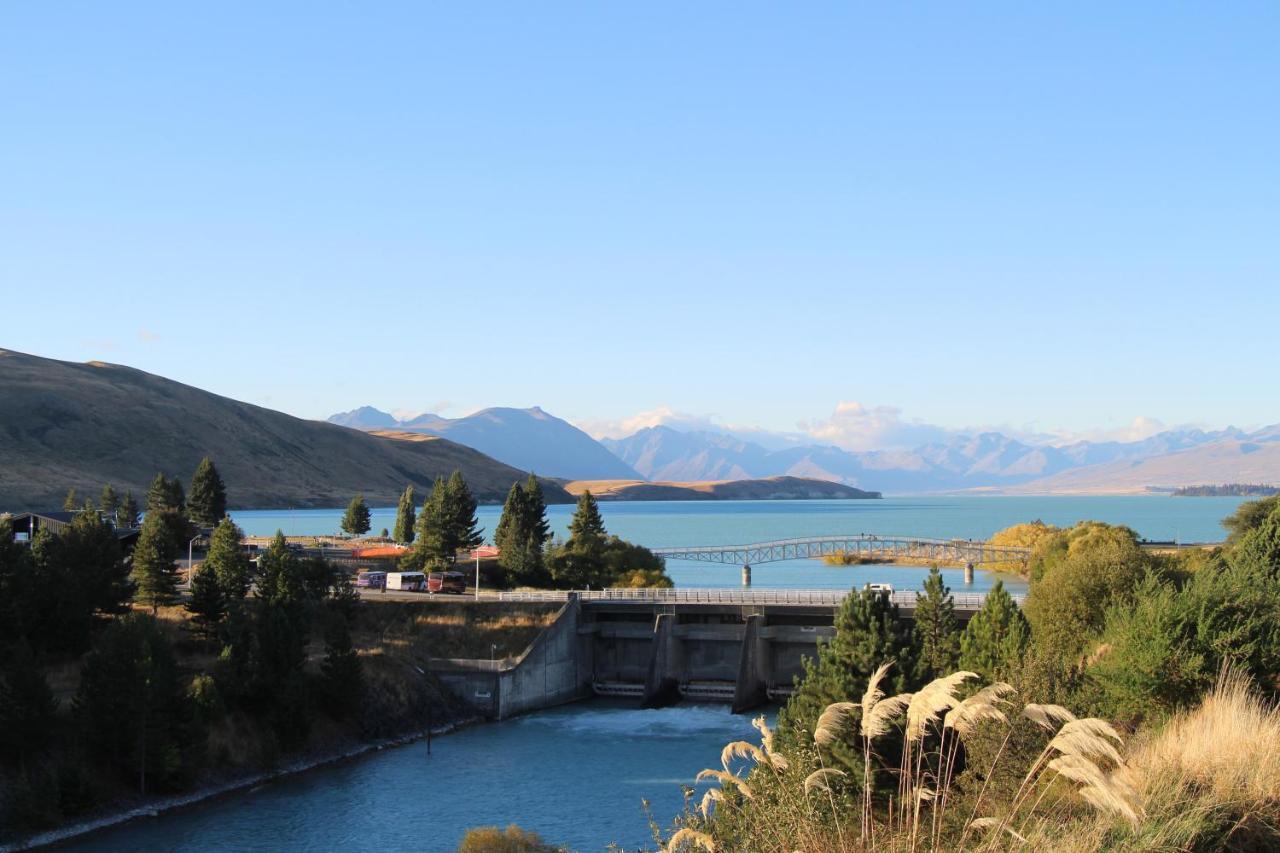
454	582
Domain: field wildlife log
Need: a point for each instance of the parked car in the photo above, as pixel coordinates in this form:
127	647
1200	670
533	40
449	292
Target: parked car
372	580
454	582
406	581
879	587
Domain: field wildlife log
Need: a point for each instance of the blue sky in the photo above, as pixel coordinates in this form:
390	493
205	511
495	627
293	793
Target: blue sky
947	214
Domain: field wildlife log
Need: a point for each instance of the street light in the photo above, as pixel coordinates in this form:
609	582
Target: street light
477	553
190	560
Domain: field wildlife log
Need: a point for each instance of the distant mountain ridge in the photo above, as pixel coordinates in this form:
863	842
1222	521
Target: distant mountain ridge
70	425
988	461
529	439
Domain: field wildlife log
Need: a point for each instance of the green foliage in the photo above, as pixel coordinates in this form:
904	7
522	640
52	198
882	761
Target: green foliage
1074	578
344	598
587	527
406	517
207	504
281	575
595	563
1248	516
127	512
132	709
446	525
109	501
70	503
869	631
522	535
356	520
1258	547
937	634
490	839
27	707
341	676
993	642
154	572
228	560
207	604
165	494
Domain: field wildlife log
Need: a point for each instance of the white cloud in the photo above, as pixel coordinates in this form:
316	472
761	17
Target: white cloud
1139	428
857	426
661	416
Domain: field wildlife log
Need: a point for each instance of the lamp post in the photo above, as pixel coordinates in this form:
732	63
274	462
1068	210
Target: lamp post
190	559
477	553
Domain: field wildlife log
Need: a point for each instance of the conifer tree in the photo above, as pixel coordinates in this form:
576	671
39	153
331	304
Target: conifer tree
207	604
154	573
166	501
536	511
936	631
513	517
207	503
586	530
70	502
356	520
344	598
228	561
464	527
282	580
995	638
28	709
406	517
127	512
341	676
109	501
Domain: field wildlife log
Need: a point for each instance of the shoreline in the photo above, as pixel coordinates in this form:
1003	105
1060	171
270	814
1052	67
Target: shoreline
181	801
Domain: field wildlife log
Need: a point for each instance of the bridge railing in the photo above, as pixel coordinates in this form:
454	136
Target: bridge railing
823	597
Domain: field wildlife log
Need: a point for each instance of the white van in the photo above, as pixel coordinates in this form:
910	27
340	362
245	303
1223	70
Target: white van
406	581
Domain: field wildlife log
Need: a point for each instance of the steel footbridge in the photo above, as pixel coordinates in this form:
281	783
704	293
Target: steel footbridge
867	546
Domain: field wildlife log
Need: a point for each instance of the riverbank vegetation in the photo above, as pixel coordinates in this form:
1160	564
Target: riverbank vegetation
1129	705
1245	490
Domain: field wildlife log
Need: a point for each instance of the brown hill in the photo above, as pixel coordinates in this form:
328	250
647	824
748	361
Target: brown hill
768	488
64	424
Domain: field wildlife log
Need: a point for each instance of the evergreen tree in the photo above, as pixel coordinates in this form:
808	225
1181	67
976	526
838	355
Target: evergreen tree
70	502
586	530
993	642
522	534
936	632
341	676
465	532
513	517
869	632
91	552
207	504
1259	546
406	517
207	604
281	578
132	706
166	501
154	573
356	520
431	540
228	561
19	592
109	501
344	598
536	512
127	512
27	707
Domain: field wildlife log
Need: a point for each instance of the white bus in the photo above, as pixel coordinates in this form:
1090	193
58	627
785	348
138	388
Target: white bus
406	581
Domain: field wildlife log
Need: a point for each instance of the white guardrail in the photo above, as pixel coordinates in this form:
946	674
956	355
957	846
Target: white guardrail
832	597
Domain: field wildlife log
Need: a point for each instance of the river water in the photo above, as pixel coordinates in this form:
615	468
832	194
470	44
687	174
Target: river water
578	774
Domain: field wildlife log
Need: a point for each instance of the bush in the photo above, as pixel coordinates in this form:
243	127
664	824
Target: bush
490	839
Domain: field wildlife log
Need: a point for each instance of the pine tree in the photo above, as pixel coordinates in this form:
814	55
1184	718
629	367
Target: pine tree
281	579
207	504
430	532
127	513
356	520
166	501
586	531
154	574
511	525
28	710
228	561
344	598
995	638
207	604
536	512
70	502
341	676
465	532
109	501
936	631
406	517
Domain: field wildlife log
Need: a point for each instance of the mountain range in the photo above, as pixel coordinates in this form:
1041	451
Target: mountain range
72	425
984	462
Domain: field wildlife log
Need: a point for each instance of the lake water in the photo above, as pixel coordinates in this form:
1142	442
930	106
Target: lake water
680	523
578	774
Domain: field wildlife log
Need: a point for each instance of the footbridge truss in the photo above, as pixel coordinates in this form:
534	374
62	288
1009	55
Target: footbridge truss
865	545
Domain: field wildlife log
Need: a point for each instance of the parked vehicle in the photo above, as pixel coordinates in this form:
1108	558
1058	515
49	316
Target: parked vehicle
879	587
407	581
453	582
372	580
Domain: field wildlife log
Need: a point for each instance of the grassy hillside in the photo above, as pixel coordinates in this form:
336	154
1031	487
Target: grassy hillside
64	424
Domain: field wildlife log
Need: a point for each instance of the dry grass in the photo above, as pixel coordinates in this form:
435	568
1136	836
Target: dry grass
458	631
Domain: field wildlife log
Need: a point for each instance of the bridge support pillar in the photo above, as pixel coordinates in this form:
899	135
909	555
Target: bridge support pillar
746	574
752	688
968	573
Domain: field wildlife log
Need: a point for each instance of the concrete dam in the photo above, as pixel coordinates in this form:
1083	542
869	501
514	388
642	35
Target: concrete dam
741	648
